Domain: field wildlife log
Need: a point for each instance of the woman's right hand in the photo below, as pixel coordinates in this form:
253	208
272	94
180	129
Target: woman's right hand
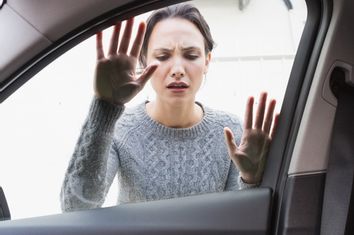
115	78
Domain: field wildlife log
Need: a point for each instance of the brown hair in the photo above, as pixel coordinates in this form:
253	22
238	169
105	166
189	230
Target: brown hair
183	11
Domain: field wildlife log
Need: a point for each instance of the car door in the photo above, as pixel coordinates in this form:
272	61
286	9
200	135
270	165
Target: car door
289	199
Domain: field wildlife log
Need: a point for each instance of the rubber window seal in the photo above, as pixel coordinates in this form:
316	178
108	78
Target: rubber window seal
2	3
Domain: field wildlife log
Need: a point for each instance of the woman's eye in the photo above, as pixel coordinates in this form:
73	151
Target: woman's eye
191	56
162	57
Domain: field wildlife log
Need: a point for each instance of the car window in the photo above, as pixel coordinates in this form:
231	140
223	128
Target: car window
256	42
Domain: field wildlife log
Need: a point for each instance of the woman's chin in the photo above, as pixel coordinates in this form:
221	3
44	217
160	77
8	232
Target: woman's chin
179	100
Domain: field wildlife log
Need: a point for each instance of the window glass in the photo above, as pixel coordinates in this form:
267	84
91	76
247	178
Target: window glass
255	47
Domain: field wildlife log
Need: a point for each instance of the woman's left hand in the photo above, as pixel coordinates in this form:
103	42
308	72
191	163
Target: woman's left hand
250	156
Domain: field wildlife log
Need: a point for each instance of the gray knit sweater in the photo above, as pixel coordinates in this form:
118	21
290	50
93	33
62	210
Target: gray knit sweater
151	161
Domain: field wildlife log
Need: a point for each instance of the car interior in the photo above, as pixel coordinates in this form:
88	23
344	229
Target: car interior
307	187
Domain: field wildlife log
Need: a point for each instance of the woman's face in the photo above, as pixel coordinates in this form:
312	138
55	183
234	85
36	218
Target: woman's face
178	45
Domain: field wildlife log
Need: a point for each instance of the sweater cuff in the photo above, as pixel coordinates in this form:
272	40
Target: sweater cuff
103	115
243	185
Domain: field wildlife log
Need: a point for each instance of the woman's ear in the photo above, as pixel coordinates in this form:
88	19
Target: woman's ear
207	61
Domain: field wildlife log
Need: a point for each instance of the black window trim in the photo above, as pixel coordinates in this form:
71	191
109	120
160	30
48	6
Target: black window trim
302	73
2	4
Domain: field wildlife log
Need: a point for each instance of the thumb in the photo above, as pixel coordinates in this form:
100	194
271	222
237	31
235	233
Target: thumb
230	141
148	71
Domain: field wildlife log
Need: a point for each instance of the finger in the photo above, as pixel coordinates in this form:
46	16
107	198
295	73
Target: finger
124	44
138	40
230	141
269	116
99	46
114	39
145	76
249	113
275	125
260	110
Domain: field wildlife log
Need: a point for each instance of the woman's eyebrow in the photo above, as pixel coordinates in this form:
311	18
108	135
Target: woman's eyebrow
163	50
192	48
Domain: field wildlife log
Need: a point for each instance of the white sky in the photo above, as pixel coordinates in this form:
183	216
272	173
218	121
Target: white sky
40	123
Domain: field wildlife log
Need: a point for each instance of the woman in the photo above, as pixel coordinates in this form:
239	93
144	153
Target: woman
172	146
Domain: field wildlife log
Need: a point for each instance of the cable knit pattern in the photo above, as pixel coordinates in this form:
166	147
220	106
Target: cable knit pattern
152	161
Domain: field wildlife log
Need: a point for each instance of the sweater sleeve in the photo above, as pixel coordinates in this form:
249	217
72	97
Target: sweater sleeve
94	163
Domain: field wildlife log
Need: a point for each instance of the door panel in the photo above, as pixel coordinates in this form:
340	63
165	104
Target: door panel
302	204
236	212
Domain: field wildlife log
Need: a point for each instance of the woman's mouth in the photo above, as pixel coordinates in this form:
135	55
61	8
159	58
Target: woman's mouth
177	86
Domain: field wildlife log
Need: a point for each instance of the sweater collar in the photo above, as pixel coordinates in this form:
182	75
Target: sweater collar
196	130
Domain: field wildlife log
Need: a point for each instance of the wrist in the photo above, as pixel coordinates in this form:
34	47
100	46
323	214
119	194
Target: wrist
244	185
249	178
110	101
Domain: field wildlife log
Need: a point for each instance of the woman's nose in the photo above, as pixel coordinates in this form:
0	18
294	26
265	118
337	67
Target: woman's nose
177	70
177	74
